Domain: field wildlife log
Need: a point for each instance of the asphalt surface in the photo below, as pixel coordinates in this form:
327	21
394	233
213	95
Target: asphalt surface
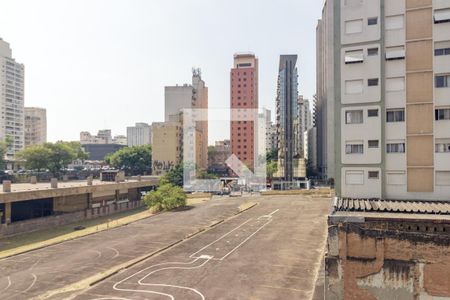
271	251
31	274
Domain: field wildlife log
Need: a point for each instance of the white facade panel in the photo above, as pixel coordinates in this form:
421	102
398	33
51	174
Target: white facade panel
352	187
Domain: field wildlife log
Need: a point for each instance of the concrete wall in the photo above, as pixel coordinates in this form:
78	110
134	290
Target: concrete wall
64	219
388	260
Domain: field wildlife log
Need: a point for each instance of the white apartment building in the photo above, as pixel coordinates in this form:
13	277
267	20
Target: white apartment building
389	72
11	99
35	126
140	134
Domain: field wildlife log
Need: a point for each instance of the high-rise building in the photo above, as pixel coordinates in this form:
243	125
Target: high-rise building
291	164
140	134
194	96
324	115
385	79
305	122
35	126
11	99
167	146
244	95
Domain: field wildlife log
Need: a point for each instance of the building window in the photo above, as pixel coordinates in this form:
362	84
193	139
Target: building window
372	113
442	16
372	82
442	146
372	21
354	57
394	22
443	178
395	53
442	81
374	174
395	84
442	48
372	51
353	26
373	144
354	117
442	114
395	148
395	115
354	177
354	149
354	87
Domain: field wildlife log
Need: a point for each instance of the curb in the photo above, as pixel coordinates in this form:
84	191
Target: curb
72	238
97	278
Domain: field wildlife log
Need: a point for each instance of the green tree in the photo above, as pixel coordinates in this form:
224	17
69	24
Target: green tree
175	176
36	157
76	147
166	197
61	154
133	160
271	168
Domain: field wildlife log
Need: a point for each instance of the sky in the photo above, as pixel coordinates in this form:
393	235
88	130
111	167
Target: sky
96	64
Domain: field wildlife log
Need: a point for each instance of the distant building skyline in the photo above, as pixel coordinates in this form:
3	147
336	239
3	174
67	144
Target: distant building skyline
12	86
35	126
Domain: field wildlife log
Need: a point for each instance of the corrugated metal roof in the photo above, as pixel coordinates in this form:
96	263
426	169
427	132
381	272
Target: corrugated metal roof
395	206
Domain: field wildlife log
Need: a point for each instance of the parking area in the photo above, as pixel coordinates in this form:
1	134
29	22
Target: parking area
271	251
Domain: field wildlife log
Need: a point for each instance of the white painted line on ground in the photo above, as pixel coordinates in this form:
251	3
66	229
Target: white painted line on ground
243	242
115	251
192	255
205	258
32	284
9	284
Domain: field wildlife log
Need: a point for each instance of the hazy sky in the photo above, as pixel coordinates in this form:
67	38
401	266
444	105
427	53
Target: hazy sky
98	64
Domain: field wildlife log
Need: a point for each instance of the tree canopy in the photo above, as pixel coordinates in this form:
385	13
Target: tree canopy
52	156
135	160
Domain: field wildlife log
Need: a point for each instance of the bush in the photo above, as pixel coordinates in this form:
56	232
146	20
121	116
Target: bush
166	197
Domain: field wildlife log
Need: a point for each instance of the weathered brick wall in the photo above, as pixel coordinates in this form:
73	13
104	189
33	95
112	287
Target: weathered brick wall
388	260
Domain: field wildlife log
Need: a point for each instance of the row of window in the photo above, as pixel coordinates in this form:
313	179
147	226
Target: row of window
392	115
393	22
440	147
354	148
357	116
356	177
357	56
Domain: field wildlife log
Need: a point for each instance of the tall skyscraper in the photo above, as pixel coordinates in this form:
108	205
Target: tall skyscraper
140	134
291	164
244	95
386	67
35	126
194	96
11	99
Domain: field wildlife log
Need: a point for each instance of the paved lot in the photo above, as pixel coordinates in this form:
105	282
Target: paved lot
33	273
271	251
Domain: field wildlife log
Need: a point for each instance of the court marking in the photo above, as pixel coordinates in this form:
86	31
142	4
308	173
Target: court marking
8	285
206	259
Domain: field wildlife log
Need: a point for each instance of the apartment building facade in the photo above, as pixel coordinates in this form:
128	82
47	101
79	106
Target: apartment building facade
244	95
389	76
167	146
11	100
35	126
140	134
190	96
